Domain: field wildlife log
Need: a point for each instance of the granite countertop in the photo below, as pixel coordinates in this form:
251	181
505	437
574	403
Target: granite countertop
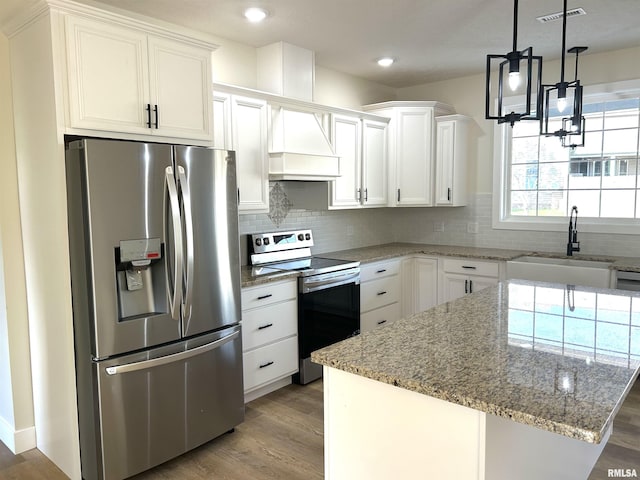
505	351
251	276
393	250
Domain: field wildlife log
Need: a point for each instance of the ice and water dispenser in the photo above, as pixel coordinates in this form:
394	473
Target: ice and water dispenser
140	274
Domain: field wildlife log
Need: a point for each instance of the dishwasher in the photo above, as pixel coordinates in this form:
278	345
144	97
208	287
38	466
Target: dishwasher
628	281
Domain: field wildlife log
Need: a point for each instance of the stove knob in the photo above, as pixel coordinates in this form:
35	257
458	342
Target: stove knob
307	236
266	241
300	237
258	241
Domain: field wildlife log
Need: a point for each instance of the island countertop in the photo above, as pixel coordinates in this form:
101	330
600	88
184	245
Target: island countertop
539	354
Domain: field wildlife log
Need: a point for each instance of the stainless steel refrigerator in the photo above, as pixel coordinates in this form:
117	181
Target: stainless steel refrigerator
155	273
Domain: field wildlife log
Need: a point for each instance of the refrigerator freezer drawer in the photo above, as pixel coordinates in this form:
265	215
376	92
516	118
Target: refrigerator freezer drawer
157	405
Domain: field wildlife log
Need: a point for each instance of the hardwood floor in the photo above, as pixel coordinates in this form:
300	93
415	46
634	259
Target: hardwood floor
281	438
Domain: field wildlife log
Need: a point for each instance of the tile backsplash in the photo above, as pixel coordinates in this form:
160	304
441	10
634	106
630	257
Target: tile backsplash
343	229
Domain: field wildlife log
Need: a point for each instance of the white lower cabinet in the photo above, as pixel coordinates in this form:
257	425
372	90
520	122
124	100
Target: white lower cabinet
463	276
425	283
269	337
380	294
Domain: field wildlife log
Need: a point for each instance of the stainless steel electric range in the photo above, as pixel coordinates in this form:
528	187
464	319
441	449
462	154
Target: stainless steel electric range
328	292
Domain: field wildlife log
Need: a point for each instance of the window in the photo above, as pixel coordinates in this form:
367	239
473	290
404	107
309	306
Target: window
540	180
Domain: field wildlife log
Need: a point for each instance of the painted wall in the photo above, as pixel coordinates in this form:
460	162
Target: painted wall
341	90
16	401
234	63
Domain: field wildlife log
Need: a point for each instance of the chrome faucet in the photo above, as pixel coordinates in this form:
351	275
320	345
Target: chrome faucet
573	245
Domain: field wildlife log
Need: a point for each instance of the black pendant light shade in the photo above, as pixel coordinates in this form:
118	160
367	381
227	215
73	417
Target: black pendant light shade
563	101
516	73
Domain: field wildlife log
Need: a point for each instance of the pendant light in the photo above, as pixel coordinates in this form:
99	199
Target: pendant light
518	70
575	125
566	100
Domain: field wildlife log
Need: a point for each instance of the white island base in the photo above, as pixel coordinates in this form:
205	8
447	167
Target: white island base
374	430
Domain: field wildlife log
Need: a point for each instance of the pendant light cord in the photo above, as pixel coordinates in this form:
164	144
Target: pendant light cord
515	26
564	40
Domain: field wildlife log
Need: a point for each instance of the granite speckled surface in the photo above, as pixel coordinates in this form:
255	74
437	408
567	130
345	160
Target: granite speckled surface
392	250
486	351
252	276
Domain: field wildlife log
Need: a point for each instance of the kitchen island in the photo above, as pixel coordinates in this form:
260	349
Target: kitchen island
521	380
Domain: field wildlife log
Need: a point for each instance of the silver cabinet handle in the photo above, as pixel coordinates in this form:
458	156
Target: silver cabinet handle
173	209
188	230
175	357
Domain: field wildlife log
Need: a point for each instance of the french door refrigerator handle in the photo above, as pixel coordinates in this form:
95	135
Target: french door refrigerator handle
171	191
175	357
188	228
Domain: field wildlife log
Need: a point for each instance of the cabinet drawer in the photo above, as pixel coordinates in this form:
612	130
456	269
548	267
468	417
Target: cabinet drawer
266	364
253	297
470	267
371	271
268	324
376	293
380	316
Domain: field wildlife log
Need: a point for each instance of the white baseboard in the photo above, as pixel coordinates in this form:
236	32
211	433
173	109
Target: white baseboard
272	387
17	441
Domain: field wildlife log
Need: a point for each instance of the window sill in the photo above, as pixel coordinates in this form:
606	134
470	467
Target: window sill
561	224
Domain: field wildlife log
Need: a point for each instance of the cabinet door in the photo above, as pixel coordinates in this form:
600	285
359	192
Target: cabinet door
454	286
346	136
445	142
414	151
426	283
374	163
222	121
108	76
478	283
180	86
249	132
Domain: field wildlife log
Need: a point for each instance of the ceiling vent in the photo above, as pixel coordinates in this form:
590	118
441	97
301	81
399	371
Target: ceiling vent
552	17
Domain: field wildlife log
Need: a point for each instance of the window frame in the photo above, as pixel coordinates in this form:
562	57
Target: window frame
501	219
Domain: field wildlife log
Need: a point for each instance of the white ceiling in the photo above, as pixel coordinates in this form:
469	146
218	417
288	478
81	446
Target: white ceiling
432	39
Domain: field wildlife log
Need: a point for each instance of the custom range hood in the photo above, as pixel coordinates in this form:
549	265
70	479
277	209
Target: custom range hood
299	148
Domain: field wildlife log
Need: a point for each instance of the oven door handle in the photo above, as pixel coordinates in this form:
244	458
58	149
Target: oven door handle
311	285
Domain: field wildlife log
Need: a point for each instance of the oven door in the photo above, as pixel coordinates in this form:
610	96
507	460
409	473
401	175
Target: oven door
325	316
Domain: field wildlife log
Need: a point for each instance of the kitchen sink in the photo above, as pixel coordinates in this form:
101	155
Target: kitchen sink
571	271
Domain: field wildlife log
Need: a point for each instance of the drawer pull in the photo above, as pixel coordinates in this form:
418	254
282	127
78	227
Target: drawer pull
262	327
381	293
469	267
264	365
262	297
382	270
381	322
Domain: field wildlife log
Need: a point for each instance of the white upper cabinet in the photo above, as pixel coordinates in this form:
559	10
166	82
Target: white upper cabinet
122	79
361	146
374	163
240	124
411	150
346	135
451	160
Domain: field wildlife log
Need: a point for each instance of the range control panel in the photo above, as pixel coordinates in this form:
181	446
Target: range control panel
280	241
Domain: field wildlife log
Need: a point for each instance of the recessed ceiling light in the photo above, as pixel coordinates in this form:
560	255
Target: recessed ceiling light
255	14
386	61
